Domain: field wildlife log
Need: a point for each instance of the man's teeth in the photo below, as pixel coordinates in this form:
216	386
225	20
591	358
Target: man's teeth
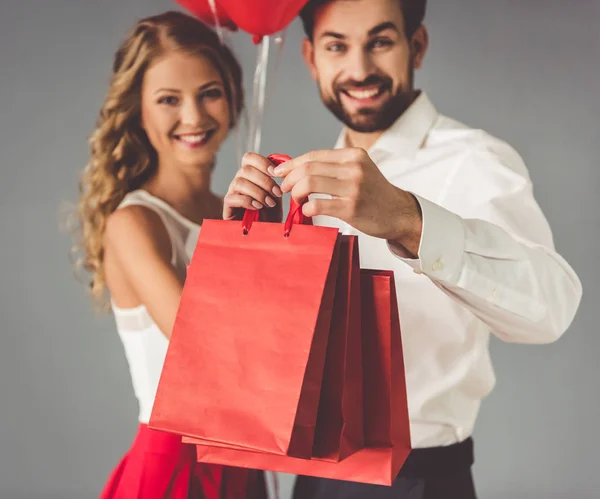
193	139
363	94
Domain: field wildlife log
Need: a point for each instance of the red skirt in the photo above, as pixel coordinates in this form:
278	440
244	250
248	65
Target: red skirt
159	466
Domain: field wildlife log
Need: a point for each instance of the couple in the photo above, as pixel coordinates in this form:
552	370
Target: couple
450	209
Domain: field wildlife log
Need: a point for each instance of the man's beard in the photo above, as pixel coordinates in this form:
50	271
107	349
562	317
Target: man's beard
366	119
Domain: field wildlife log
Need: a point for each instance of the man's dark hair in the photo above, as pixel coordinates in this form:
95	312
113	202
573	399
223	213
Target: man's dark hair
413	10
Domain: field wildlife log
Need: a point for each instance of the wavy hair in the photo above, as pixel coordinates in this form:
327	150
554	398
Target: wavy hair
121	156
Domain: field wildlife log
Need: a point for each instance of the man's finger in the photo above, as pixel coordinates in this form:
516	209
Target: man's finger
329	207
315	184
324	156
311	168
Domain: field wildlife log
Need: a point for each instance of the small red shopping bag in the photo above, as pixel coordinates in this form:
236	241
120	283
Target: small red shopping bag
340	423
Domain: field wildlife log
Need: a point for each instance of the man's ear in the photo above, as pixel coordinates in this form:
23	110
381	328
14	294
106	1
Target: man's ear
419	44
308	54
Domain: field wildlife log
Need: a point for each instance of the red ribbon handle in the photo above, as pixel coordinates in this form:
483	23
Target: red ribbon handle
250	216
295	215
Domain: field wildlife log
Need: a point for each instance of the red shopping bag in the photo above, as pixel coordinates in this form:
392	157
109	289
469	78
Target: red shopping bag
340	430
387	436
245	363
340	427
247	351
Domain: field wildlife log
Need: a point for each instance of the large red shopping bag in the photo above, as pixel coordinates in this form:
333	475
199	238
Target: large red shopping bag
246	356
387	435
245	363
339	429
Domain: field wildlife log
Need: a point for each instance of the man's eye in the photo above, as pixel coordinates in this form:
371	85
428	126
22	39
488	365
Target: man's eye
381	43
336	47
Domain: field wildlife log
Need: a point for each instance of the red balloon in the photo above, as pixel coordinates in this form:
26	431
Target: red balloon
262	17
202	10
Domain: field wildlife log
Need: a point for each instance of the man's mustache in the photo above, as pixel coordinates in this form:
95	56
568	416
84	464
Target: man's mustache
367	82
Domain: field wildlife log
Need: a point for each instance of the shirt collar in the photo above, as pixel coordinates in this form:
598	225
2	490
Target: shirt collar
408	133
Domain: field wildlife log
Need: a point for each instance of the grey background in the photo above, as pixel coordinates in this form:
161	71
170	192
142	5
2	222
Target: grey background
525	71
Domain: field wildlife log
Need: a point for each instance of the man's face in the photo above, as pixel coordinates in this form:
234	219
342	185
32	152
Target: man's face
363	61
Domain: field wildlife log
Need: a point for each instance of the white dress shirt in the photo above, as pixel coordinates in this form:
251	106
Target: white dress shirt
486	264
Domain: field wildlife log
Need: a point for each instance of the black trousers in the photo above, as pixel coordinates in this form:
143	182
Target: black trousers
433	473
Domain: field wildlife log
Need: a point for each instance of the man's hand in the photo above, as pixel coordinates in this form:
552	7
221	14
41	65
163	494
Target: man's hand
253	188
360	195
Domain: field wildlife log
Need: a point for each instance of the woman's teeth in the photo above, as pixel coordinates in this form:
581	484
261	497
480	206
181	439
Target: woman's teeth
193	139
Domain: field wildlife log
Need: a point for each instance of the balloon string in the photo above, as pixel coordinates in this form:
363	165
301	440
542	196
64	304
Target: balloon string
258	96
279	43
259	88
213	8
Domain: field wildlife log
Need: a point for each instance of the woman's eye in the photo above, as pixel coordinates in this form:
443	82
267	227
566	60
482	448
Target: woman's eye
169	100
213	93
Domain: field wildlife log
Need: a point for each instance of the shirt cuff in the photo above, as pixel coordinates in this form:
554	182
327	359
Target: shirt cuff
442	244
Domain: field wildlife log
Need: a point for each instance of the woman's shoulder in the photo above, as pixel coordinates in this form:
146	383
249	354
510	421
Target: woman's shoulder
137	229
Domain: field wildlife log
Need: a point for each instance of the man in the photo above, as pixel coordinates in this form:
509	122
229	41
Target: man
450	209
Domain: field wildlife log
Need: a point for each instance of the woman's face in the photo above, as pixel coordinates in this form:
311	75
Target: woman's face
185	111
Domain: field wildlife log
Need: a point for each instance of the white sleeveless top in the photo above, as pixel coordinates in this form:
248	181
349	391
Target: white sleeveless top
145	345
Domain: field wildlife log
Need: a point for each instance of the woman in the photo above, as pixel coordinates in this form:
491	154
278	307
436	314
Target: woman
175	94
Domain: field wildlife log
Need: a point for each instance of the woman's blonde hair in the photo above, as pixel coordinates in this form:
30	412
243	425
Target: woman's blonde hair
122	158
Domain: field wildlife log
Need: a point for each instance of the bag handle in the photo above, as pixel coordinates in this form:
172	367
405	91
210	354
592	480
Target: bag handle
295	215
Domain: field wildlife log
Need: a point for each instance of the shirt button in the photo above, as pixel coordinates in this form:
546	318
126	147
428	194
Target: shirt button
437	265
